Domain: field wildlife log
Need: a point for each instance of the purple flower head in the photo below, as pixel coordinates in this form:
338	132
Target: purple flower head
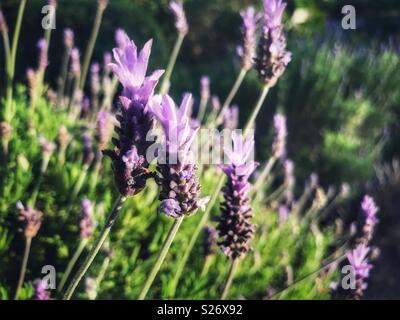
289	180
102	4
273	57
121	38
86	223
43	60
63	136
85	105
283	212
75	63
370	210
40	290
247	52
170	207
231	117
32	220
3	24
180	17
234	227
68	38
178	132
130	68
46	146
178	179
358	260
91	288
95	78
210	240
104	127
88	154
205	88
107	60
280	133
135	119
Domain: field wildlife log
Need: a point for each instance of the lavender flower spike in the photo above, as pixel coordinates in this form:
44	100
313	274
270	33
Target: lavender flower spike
235	228
40	290
135	119
370	210
43	59
180	16
68	38
75	63
361	268
280	133
180	187
31	218
87	220
273	57
3	24
247	52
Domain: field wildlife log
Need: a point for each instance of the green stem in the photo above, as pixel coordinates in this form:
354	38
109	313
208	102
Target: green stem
63	76
43	168
206	266
90	47
103	270
195	235
95	249
13	54
229	280
77	188
263	175
161	256
231	95
256	110
25	258
71	263
213	199
174	55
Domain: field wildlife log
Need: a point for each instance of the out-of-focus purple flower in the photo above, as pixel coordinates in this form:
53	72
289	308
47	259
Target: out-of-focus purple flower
135	118
91	288
40	290
32	220
68	38
231	117
85	105
43	60
86	223
107	59
46	146
180	17
63	137
102	4
234	227
3	24
247	52
95	78
280	133
75	63
215	103
312	182
120	38
130	68
283	213
289	179
370	210
88	154
180	188
205	88
104	127
210	240
273	57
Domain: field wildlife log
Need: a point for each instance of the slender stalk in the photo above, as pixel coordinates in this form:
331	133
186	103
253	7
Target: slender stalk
63	76
6	43
213	199
95	249
161	256
263	175
91	43
43	168
71	263
174	55
311	274
229	280
202	109
206	266
13	54
232	94
28	242
103	270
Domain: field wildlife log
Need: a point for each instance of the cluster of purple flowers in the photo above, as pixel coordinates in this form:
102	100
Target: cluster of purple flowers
31	218
86	223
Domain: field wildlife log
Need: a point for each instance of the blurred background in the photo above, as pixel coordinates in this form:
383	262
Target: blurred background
340	93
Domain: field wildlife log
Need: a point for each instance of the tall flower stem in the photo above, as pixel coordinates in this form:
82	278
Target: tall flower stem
264	174
25	258
161	256
229	280
206	266
71	263
90	47
63	76
96	247
257	108
103	270
215	193
11	62
43	168
232	94
168	72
